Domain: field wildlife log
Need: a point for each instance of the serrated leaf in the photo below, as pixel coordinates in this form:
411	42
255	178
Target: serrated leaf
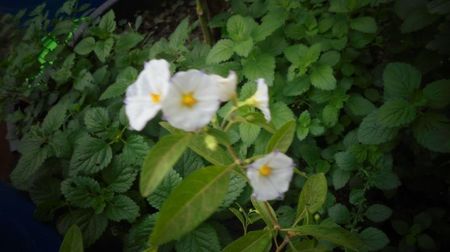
249	132
270	23
313	194
81	191
84	80
438	93
180	35
370	131
160	159
378	213
243	48
235	188
202	239
340	178
73	240
85	46
119	175
103	48
322	77
259	65
55	118
432	131
339	213
29	163
194	200
346	161
108	23
188	163
221	51
240	28
92	225
334	234
400	81
282	139
330	115
395	113
96	119
137	239
386	180
374	238
359	106
120	208
127	41
170	181
253	241
134	150
125	78
90	155
364	24
281	113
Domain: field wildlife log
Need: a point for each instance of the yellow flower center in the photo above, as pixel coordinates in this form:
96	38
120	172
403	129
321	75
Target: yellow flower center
188	100
265	170
155	97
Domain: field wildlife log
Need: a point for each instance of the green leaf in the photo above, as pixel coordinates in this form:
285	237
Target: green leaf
265	211
73	240
395	113
235	189
137	238
400	81
378	213
83	80
127	41
243	48
303	56
432	131
346	161
119	176
253	241
90	155
270	23
374	238
55	118
103	48
160	159
92	225
122	207
313	194
281	113
188	163
339	213
125	78
417	20
249	132
322	77
221	51
330	115
370	131
240	28
202	239
108	23
282	139
134	150
85	46
180	35
438	93
96	119
330	58
359	106
340	178
193	201
334	234
364	24
259	65
170	181
386	180
81	191
29	163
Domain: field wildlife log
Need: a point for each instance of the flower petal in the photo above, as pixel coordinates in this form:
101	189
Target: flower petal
139	111
262	98
227	86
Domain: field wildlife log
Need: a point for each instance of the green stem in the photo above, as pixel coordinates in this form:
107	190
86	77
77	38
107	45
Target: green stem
202	10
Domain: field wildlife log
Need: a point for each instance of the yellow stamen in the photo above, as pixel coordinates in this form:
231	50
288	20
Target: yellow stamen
188	100
155	97
265	170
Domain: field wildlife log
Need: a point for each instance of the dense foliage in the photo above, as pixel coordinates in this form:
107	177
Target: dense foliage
359	95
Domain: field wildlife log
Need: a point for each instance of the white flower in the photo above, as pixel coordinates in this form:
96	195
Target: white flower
261	99
144	96
192	100
227	86
270	176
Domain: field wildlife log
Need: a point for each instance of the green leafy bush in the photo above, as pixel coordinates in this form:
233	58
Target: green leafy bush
359	94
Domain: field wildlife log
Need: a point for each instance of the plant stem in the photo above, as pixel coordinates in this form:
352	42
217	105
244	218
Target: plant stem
202	10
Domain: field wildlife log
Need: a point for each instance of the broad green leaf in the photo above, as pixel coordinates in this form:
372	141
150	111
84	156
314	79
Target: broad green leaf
270	23
193	201
92	225
188	163
334	234
235	189
103	48
339	213
127	41
374	238
330	115
281	113
119	176
85	46
221	51
96	119
370	131
364	24
259	65
378	213
359	106
108	23
346	161
134	150
55	118
282	139
313	194
385	180
243	48
160	159
395	113
90	155
202	239
266	212
121	207
178	38
438	93
125	78
76	189
432	131
83	81
322	77
73	240
417	20
400	81
240	28
303	56
340	178
253	241
330	58
249	132
170	181
137	238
